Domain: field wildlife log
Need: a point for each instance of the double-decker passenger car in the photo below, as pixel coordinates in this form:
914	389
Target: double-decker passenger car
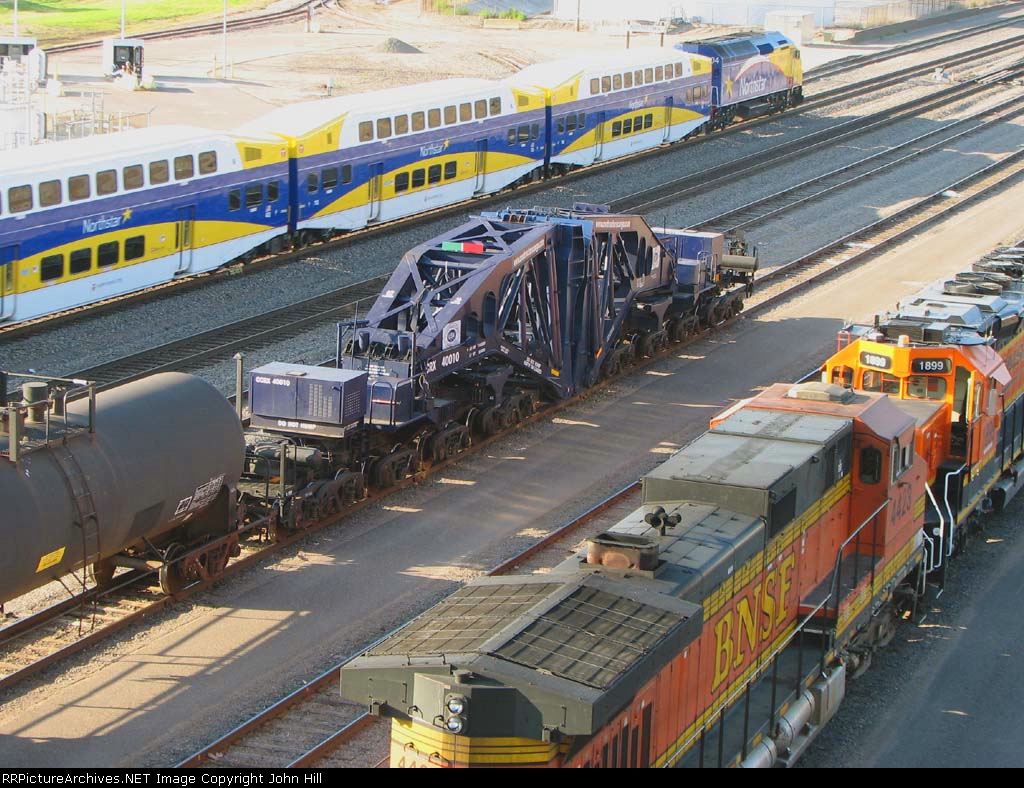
89	219
362	159
623	103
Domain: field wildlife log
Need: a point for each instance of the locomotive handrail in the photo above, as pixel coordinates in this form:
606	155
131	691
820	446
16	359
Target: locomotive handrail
731	699
932	566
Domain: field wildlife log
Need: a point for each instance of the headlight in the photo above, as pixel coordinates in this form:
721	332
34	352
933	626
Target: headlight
456	705
454	724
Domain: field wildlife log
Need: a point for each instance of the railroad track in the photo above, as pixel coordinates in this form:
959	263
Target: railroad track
813	101
44	638
296	12
296	731
193	353
837	67
774	286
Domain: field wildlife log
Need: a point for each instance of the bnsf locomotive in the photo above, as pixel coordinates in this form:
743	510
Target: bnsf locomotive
86	220
718	624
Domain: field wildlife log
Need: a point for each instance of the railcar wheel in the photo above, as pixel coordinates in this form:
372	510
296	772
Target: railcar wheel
102	573
384	475
172	578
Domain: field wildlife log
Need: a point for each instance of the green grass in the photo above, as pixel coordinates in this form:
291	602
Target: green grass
53	21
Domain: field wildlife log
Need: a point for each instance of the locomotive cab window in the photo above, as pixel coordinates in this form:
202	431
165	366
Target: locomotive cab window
842	376
872	380
926	387
870	465
900	459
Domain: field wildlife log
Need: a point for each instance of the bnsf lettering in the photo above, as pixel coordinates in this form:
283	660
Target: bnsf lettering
753	619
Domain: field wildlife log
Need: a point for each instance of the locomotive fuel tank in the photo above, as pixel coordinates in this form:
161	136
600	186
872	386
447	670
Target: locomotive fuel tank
160	466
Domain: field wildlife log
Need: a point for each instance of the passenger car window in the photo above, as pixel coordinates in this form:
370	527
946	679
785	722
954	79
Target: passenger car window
51	267
135	247
465	112
434	118
207	162
366	131
159	172
383	128
419	121
401	182
107	254
78	188
49	193
131	176
234	199
106	182
254	195
19	198
80	261
184	168
401	124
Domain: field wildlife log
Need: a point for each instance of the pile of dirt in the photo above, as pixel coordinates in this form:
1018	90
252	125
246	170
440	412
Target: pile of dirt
396	46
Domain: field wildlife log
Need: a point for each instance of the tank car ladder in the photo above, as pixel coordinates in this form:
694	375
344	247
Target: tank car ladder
85	505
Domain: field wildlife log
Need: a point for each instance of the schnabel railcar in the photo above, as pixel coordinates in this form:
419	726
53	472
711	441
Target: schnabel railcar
90	219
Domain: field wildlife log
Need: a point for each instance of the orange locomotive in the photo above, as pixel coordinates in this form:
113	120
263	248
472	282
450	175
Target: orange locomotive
717	624
954	353
766	557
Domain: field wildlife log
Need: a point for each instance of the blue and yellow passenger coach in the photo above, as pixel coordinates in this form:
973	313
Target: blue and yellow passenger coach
362	159
623	103
90	219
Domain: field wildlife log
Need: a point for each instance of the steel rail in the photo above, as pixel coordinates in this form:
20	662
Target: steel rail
815	101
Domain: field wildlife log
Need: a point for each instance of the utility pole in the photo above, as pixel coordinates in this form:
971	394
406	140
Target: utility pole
225	29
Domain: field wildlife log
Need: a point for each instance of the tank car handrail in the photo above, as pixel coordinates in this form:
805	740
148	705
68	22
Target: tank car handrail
731	699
